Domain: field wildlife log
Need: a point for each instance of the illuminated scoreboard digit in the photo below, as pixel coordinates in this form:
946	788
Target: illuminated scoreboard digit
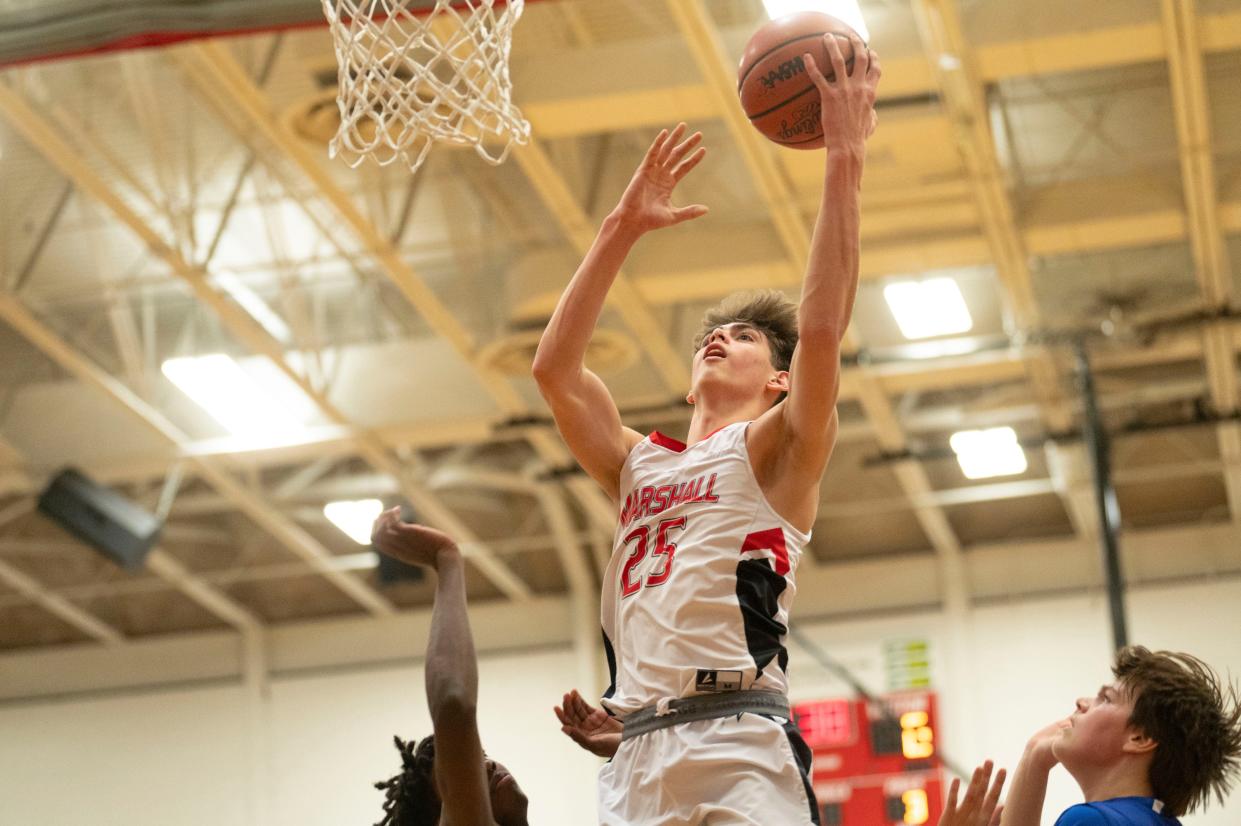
875	764
827	724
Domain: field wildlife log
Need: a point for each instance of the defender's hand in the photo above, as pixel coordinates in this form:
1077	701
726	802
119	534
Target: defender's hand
647	202
411	543
591	728
848	112
980	807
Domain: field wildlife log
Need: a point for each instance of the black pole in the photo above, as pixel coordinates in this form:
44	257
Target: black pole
1098	450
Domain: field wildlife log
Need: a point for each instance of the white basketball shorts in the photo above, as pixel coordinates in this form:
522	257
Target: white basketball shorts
746	770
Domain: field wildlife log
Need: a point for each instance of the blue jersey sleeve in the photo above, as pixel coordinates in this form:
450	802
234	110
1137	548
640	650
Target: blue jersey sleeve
1081	815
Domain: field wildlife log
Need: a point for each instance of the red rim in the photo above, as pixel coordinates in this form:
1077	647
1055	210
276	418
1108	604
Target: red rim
171	37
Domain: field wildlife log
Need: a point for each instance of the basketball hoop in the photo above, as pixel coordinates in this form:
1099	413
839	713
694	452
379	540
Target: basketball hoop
409	78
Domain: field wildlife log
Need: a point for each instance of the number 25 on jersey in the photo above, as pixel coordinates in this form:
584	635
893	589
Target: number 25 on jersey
640	538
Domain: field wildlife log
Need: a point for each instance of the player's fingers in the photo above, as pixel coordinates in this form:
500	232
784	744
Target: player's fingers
814	72
860	55
993	794
951	805
683	148
560	715
673	139
974	792
656	146
836	58
688	213
688	164
874	69
996	816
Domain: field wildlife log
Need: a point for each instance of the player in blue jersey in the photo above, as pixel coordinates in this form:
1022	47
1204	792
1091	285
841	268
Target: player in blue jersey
1159	741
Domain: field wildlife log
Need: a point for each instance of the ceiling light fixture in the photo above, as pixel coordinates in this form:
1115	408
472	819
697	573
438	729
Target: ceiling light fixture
354	517
986	453
928	308
231	395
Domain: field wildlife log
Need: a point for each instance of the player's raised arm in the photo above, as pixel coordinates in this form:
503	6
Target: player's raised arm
832	271
583	408
451	670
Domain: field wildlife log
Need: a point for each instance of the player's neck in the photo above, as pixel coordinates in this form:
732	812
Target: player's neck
1127	779
709	418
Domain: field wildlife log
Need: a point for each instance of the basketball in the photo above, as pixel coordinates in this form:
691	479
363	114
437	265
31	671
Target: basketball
776	92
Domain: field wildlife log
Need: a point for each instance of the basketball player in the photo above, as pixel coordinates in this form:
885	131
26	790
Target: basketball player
1156	743
446	779
696	596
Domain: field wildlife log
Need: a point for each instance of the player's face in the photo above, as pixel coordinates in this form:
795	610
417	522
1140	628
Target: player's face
736	355
1098	730
508	801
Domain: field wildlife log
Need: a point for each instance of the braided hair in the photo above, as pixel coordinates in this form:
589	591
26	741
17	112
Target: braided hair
410	797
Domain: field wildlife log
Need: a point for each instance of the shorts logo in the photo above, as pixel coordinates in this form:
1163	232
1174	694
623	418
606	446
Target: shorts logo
716	681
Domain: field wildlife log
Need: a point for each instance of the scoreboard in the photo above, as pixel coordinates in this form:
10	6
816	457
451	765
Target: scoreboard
875	764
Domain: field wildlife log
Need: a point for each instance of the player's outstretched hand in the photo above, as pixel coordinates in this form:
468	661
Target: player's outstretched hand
411	543
591	728
647	202
980	806
848	112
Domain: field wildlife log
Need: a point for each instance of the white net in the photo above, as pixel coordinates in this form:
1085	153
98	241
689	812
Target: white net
409	80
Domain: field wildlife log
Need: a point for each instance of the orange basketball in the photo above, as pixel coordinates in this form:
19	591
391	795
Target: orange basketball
776	93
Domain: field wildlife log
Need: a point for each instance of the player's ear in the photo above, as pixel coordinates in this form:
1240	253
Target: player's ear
689	397
779	381
1139	742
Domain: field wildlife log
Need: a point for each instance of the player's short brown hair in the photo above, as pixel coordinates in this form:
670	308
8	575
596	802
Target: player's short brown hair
1195	719
768	311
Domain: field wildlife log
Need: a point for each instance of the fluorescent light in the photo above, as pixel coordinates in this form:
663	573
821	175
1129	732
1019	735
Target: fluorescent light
991	452
354	518
258	309
232	397
931	307
845	10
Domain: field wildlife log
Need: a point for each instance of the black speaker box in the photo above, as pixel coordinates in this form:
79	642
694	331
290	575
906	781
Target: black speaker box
101	517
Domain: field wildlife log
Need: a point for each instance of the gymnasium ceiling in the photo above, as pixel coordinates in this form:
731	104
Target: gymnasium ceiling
1075	167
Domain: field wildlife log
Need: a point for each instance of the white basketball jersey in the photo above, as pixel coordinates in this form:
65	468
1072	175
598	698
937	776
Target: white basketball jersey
696	597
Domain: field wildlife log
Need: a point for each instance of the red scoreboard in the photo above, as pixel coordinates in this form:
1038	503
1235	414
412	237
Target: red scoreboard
875	764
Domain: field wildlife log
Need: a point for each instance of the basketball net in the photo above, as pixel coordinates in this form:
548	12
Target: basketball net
408	80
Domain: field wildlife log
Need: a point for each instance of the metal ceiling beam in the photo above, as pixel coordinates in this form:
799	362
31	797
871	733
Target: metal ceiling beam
58	606
965	99
1183	45
221	80
649	333
250	502
1064	234
700	33
158	561
14	478
644	89
42	136
874	508
991	367
31	589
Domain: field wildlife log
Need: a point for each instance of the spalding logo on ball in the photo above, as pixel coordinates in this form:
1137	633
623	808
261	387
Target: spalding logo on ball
776	91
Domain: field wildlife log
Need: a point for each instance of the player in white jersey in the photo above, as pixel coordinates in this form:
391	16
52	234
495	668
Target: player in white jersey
696	597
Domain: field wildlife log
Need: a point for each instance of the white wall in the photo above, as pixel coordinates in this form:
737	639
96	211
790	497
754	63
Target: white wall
190	756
